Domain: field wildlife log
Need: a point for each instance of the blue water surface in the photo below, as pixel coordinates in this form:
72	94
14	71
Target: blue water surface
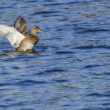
70	66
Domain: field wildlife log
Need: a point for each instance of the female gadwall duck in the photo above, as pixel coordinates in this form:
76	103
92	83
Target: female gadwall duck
18	35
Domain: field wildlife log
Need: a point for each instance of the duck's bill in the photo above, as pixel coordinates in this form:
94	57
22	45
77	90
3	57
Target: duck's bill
40	30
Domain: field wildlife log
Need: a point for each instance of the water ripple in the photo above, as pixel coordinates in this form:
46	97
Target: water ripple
30	83
69	67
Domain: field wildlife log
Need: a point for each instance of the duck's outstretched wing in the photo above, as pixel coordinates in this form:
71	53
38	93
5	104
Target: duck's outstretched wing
12	35
21	25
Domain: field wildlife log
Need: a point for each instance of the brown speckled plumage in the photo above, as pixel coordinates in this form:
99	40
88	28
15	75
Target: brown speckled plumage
30	40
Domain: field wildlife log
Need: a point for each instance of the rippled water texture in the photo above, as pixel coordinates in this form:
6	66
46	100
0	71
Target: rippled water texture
70	66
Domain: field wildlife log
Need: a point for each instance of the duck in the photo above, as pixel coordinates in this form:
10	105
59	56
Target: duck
18	35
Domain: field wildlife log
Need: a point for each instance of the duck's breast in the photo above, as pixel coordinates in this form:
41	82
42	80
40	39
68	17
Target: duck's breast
26	44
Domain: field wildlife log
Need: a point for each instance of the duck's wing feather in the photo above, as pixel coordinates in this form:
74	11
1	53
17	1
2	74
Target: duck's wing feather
12	35
21	25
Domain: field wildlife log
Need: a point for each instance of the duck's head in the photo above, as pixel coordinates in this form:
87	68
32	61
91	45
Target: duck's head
36	29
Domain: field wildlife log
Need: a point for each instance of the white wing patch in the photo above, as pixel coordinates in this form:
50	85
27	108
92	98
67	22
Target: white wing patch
12	35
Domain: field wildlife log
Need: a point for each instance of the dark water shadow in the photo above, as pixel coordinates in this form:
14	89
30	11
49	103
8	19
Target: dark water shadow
13	53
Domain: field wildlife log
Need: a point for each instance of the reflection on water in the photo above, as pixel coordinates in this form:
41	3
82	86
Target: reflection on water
13	53
69	68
